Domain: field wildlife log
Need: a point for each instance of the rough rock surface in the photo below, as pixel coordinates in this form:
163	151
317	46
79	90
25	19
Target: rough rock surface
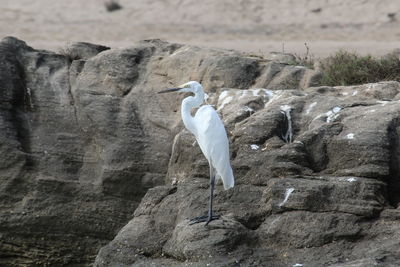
84	139
329	197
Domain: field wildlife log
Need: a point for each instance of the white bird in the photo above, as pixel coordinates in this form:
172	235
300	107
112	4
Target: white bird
210	134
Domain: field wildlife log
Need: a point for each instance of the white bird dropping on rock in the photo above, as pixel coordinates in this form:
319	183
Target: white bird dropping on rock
285	110
333	114
288	192
310	107
254	147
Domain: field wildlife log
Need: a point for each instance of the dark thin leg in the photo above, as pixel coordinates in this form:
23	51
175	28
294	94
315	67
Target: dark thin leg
210	204
208	218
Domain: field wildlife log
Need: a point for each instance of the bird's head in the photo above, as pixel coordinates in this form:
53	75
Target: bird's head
191	87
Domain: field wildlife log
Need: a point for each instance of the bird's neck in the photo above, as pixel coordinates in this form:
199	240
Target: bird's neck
187	104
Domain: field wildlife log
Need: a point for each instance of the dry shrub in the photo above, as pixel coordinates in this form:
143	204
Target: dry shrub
348	68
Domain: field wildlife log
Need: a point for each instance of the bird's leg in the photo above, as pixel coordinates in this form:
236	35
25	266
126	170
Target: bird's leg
210	205
209	217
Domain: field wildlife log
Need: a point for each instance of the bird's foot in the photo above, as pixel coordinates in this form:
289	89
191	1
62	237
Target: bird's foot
204	218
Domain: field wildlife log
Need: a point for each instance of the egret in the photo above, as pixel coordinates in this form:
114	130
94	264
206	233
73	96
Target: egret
210	134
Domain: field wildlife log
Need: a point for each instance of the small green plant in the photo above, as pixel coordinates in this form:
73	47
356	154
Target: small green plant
348	68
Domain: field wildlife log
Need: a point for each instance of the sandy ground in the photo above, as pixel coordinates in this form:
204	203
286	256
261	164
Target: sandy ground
256	26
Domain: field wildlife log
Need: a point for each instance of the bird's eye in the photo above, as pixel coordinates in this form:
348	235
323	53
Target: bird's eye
187	85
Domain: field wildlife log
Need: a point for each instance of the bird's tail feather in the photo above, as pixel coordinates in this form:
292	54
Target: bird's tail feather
227	178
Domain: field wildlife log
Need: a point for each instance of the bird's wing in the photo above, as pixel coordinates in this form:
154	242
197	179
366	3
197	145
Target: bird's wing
213	141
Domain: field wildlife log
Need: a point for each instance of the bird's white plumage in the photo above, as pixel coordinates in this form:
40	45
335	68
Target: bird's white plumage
213	141
211	136
209	131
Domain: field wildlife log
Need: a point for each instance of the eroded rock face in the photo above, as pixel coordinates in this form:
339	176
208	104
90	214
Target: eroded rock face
57	202
85	138
317	200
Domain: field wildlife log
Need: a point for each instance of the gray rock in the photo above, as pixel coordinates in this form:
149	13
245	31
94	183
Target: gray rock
319	195
82	50
280	57
201	243
302	229
84	141
358	196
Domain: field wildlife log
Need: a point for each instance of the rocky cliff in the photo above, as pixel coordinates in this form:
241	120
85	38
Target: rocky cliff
92	158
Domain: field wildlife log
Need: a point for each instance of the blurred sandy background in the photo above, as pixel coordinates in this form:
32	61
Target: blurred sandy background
365	26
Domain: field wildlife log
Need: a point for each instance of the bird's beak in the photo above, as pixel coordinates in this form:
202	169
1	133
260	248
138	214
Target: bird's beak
170	90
